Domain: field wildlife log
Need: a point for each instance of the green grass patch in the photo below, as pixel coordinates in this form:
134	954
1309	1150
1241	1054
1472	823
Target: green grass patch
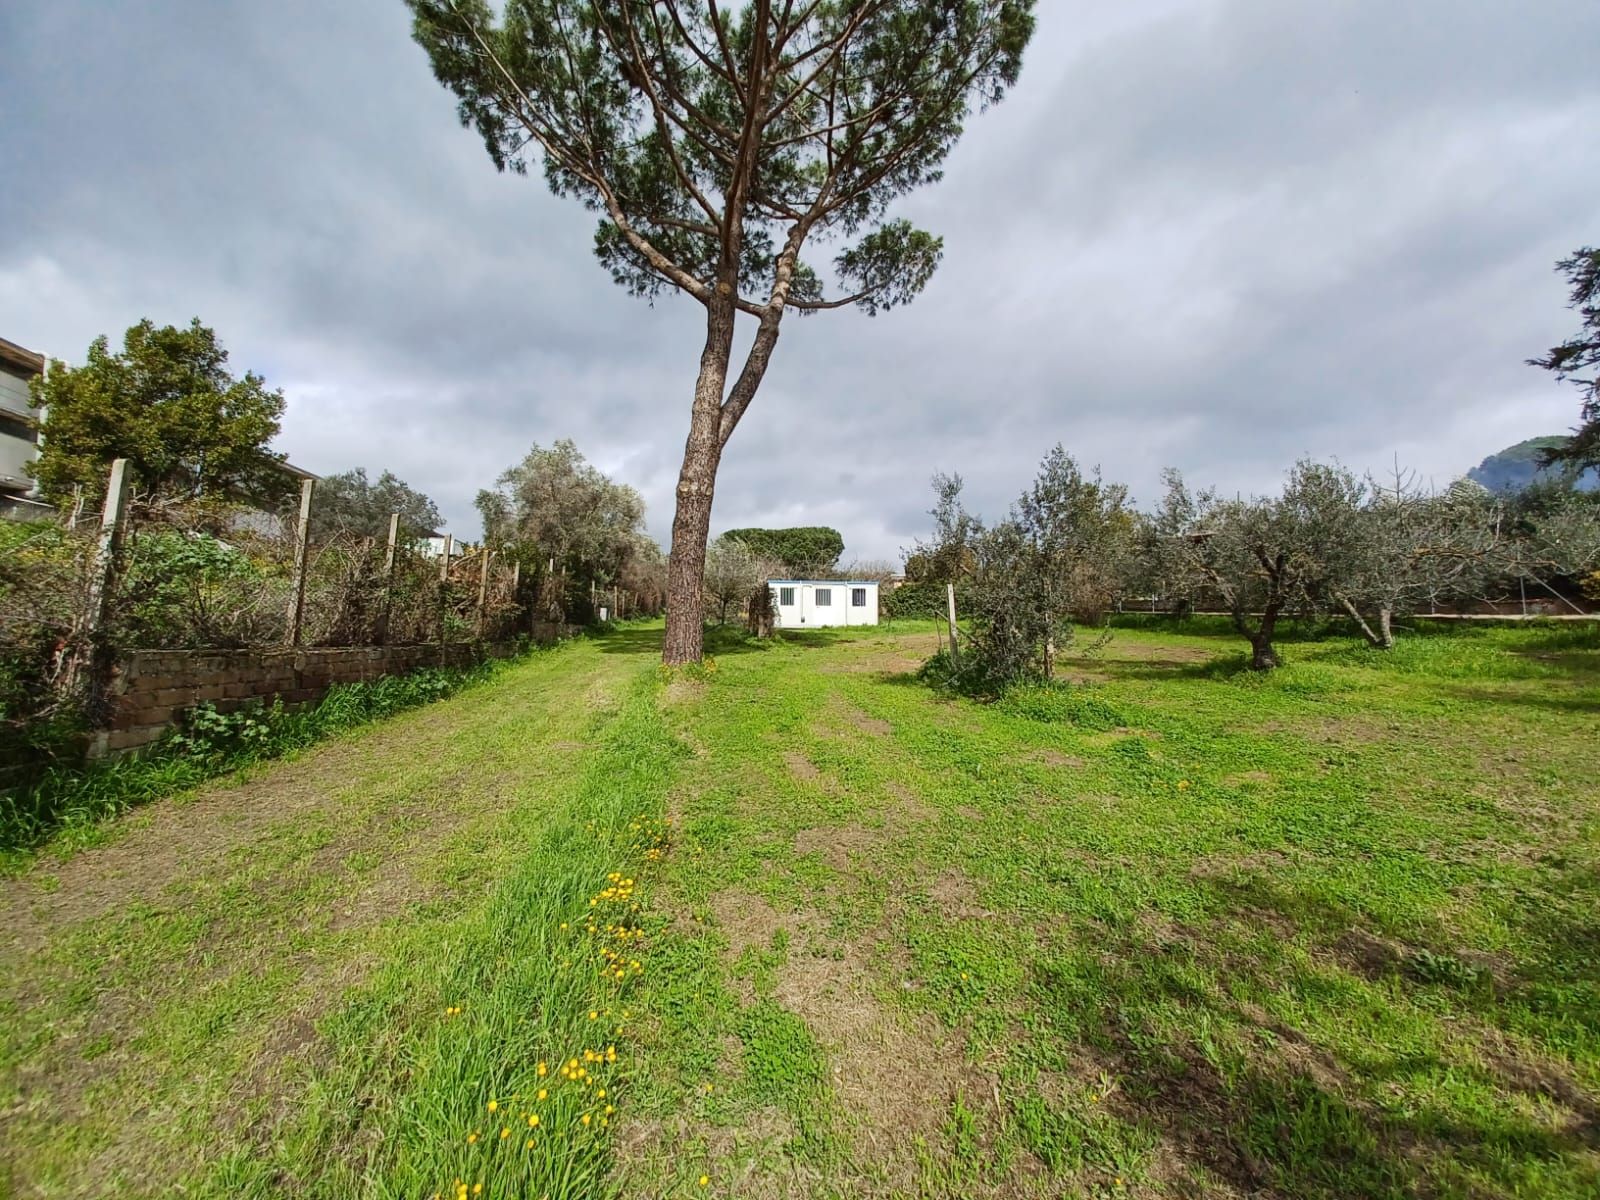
69	803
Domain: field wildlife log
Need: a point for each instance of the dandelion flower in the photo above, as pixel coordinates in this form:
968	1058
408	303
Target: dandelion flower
472	1137
585	1118
543	1092
494	1106
528	1145
533	1120
705	1181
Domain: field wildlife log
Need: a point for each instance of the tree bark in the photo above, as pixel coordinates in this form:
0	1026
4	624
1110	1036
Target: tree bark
1381	638
684	641
1262	656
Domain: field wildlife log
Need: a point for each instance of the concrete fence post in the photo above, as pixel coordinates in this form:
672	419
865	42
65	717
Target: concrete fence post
381	633
297	580
950	604
483	586
103	567
444	584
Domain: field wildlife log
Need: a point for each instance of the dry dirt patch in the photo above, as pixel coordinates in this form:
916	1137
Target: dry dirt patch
840	719
1055	758
957	896
801	767
894	1074
838	843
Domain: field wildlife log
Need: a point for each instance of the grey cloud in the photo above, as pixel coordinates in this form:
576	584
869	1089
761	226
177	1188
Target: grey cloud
1217	235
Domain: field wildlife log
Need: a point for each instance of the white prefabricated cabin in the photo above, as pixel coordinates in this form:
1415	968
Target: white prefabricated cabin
820	603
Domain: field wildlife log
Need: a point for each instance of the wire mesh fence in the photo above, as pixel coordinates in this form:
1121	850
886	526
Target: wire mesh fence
77	592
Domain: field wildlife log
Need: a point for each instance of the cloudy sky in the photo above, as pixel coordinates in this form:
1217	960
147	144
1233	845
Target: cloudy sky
1212	234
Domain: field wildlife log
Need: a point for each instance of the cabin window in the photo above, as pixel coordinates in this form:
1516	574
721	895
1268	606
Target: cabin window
824	597
785	597
858	597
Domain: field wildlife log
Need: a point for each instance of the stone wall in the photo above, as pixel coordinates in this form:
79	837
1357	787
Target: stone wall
151	690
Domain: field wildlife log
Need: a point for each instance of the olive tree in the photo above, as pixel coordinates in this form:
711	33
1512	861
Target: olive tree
1384	549
349	502
733	573
1083	532
1062	553
566	520
1256	557
718	145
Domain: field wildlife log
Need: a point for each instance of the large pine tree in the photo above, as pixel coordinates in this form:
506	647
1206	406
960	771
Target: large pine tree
1578	359
716	146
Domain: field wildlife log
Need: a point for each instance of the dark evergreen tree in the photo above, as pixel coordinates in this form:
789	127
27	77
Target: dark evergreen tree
716	146
1578	359
167	403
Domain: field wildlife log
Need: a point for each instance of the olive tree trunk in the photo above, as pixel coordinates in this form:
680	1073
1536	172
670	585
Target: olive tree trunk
1381	638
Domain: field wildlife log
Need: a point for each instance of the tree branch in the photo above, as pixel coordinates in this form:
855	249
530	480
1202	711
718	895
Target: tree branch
588	172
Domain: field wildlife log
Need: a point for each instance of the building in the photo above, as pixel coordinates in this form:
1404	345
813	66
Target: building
19	431
823	603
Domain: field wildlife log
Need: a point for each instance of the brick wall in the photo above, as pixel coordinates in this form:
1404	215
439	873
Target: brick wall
152	689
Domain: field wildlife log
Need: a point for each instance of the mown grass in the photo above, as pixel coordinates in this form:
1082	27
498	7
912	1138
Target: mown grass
1173	930
69	804
1182	929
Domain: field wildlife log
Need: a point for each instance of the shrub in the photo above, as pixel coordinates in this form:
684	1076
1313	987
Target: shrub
926	600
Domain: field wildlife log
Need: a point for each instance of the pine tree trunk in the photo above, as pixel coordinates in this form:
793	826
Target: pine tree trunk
697	481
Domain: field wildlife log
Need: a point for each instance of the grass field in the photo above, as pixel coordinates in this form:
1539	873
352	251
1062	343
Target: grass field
797	926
